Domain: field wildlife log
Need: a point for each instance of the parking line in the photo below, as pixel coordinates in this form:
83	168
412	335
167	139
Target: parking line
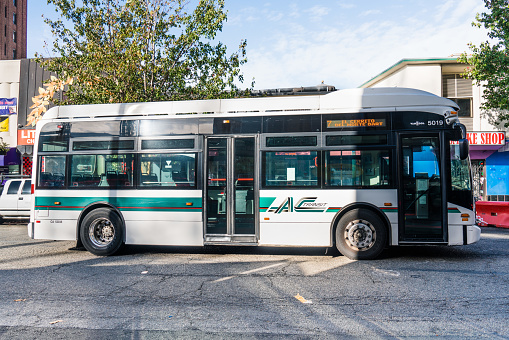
250	272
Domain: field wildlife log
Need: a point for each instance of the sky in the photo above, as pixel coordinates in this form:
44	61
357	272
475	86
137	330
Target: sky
343	43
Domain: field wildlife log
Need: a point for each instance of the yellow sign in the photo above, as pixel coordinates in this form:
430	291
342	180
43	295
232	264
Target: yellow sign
4	125
369	122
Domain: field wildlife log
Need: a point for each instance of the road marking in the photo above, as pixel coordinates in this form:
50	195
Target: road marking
224	278
247	272
319	265
302	299
262	268
387	272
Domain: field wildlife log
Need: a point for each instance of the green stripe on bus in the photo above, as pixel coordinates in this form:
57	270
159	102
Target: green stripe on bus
122	203
265	202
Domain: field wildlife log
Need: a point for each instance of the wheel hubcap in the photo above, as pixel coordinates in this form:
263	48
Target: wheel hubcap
360	235
101	232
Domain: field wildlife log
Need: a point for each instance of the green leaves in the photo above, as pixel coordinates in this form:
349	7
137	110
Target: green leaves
143	50
490	61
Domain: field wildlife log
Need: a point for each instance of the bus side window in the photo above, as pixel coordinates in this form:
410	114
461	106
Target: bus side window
103	170
291	169
168	170
51	171
357	168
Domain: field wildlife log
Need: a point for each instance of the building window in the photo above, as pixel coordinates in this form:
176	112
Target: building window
14	36
465	105
15	3
14	54
5	30
6	11
14	18
5	49
458	89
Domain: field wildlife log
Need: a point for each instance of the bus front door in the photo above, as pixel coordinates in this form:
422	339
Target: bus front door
422	217
230	190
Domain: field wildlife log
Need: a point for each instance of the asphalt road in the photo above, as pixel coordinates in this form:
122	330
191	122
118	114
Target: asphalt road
48	291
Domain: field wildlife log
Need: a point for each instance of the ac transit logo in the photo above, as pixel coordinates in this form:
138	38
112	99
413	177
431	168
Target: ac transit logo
305	204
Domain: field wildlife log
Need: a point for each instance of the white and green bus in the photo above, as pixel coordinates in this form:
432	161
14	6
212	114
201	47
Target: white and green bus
359	170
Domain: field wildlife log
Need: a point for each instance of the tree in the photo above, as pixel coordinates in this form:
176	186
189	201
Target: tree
489	62
142	50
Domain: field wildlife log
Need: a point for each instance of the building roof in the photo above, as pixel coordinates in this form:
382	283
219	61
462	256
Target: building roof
405	62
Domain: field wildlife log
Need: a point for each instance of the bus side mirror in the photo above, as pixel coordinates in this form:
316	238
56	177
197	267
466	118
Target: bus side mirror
463	144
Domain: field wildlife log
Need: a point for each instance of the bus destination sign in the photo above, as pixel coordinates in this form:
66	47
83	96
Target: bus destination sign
353	123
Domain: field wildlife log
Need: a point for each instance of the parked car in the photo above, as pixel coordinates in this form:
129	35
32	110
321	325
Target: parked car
15	199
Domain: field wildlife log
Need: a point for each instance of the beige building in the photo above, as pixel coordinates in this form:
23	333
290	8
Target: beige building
19	81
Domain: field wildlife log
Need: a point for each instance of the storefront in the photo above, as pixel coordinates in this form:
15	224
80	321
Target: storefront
10	162
9	156
490	165
25	148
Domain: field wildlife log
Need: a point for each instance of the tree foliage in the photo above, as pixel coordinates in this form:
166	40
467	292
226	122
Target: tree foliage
42	100
142	50
489	62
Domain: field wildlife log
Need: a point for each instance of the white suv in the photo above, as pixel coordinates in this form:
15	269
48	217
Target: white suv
15	199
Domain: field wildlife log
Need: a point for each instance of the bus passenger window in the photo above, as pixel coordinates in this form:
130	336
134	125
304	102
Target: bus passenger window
291	169
168	170
103	170
51	172
357	168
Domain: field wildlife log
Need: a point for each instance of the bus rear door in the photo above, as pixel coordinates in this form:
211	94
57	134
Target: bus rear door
230	190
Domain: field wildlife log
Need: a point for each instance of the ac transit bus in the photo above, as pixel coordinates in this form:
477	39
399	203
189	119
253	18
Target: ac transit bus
359	170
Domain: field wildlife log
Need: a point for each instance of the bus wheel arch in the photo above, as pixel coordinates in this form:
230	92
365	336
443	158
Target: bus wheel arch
360	232
101	229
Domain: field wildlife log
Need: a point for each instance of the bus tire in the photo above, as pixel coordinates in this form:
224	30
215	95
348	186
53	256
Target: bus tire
102	232
361	235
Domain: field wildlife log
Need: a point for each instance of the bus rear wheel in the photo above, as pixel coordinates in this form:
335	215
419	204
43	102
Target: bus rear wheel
361	235
101	232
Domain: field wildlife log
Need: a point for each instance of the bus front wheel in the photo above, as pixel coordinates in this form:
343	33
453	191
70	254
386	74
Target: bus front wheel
361	235
101	232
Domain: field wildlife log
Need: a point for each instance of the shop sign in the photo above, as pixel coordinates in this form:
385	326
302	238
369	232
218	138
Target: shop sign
26	137
486	138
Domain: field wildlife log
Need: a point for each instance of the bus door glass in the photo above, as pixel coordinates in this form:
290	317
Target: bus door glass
421	211
230	196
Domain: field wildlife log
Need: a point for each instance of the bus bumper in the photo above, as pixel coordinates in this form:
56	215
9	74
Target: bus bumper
30	228
471	234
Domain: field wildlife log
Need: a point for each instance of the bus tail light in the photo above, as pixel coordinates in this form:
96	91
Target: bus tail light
32	188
